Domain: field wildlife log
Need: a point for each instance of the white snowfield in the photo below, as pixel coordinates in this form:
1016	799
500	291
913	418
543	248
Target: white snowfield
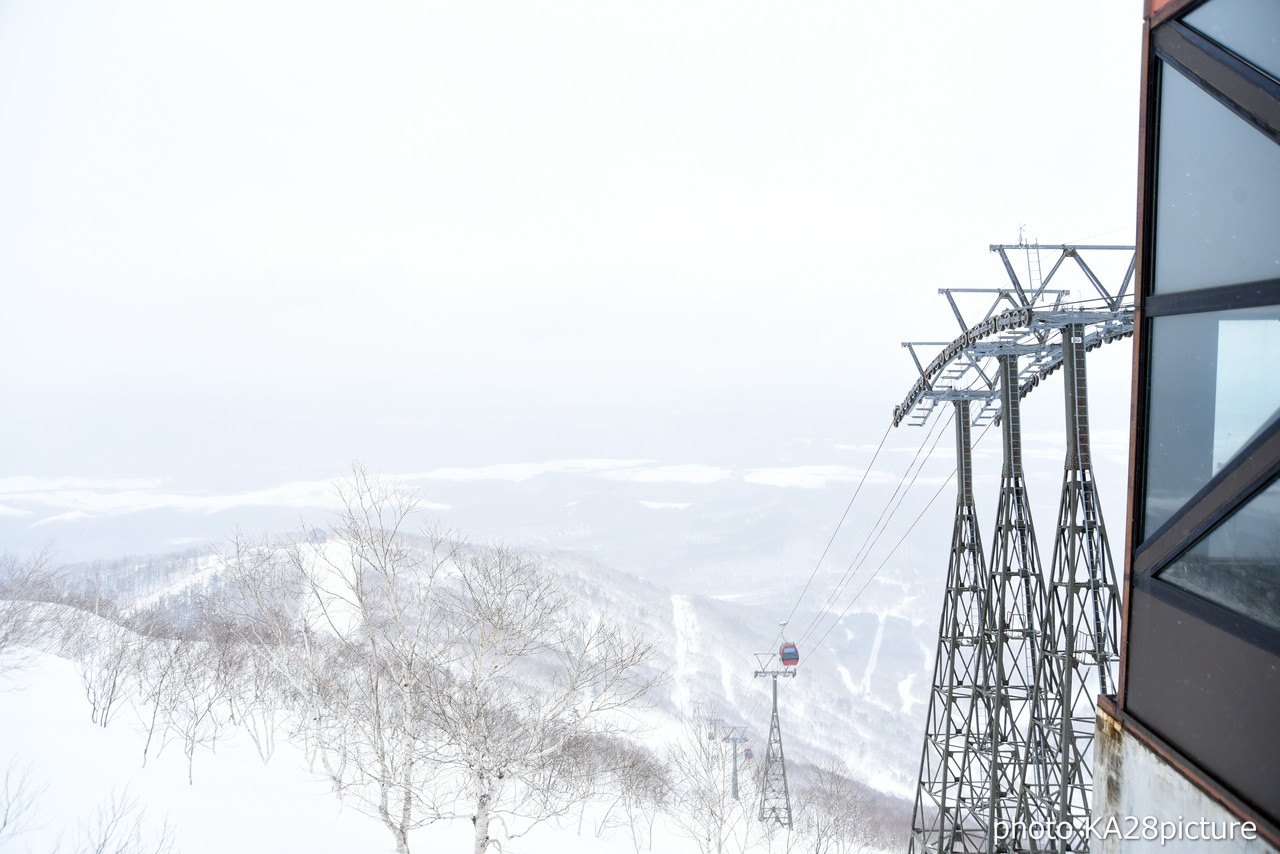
236	802
77	773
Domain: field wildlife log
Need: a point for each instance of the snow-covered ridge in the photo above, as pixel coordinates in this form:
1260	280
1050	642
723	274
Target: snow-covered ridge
705	644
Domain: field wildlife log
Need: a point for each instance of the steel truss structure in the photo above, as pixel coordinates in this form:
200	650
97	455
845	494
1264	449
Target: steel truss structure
1020	659
1020	319
775	798
954	791
1079	653
736	735
1015	615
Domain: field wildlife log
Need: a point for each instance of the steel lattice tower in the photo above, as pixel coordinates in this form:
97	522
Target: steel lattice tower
737	735
1078	650
951	807
1011	708
1016	599
775	800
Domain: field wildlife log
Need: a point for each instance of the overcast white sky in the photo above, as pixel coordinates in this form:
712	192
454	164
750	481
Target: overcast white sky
243	242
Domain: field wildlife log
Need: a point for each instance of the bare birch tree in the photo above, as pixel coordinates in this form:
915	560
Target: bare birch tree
260	702
350	623
702	804
157	666
105	659
421	670
194	704
526	684
635	786
831	809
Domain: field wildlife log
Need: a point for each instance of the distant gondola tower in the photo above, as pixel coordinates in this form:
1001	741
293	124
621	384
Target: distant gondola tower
775	799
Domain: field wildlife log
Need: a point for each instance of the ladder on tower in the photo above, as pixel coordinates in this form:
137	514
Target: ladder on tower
1035	275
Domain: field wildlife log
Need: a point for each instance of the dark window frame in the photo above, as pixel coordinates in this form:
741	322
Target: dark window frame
1251	470
1204	300
1245	90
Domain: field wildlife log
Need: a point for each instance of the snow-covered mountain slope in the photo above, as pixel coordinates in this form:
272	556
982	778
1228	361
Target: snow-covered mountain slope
858	693
844	703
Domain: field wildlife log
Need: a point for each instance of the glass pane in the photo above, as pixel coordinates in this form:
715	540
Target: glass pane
1237	565
1217	221
1248	28
1212	390
1248	396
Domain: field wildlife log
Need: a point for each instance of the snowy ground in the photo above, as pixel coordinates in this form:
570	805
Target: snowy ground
236	803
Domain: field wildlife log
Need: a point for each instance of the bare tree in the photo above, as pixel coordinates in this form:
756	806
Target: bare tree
194	702
26	586
635	787
157	665
702	804
105	657
834	810
420	670
259	702
103	646
527	681
18	797
350	624
118	828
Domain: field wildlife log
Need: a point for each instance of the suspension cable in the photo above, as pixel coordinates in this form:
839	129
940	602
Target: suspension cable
818	643
839	524
882	522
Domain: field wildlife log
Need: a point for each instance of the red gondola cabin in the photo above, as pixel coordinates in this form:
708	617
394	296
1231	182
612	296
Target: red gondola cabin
789	654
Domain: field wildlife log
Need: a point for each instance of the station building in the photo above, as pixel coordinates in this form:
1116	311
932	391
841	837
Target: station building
1190	743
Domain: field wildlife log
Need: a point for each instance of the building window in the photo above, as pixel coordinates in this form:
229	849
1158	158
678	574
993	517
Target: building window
1217	222
1247	28
1237	565
1212	390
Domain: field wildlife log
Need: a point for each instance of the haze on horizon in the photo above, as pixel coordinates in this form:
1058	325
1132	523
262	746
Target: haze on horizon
244	244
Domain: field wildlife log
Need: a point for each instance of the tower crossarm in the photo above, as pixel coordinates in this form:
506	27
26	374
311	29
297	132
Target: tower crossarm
962	369
1029	309
1031	293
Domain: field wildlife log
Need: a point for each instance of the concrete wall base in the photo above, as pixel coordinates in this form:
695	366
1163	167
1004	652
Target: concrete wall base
1146	804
